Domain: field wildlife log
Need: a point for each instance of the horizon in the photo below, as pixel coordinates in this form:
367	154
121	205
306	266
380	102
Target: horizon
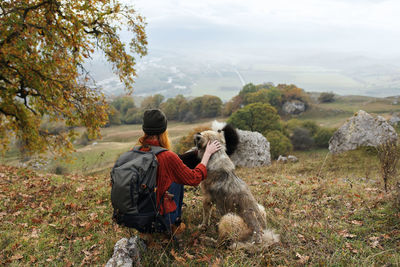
214	47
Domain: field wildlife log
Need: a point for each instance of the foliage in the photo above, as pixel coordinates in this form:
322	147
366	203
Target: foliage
151	102
175	108
232	105
322	137
279	143
114	116
292	92
311	126
326	97
187	142
247	89
43	46
256	117
389	155
301	139
133	116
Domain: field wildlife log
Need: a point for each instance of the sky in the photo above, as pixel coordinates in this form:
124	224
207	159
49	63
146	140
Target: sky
368	27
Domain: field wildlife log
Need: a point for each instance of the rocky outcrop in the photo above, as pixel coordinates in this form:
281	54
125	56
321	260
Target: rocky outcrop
290	158
395	119
293	107
252	151
362	130
127	252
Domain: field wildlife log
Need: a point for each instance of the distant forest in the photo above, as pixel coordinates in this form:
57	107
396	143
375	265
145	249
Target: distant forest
123	110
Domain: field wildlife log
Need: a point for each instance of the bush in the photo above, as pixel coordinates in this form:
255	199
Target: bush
311	126
279	143
322	137
301	139
256	117
60	169
187	142
326	97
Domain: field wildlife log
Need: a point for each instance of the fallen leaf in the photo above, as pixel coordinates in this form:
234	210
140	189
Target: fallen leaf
16	257
357	222
346	234
302	259
189	256
177	257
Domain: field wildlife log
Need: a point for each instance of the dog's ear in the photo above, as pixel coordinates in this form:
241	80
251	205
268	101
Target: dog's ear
190	158
231	139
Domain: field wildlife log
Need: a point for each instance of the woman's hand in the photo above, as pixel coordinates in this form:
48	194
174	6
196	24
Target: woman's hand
211	148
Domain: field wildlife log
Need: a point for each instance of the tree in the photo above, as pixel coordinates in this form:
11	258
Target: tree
256	117
211	106
43	46
151	102
326	97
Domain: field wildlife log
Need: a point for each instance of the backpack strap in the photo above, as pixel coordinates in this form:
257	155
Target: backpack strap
157	149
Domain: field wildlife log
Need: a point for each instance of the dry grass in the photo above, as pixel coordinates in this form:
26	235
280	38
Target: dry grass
342	217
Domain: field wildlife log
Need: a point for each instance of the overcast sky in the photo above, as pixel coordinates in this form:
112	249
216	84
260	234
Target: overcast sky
371	28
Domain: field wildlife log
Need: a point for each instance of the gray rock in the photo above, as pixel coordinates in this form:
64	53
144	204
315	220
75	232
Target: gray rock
292	158
253	150
127	252
282	159
293	107
362	130
395	119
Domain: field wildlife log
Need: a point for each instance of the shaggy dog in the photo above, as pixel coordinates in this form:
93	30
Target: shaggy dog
243	220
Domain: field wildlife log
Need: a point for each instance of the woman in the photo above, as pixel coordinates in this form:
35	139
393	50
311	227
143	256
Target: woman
172	173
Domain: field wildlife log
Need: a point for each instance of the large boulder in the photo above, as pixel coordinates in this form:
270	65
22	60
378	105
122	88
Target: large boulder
395	119
252	151
362	130
127	252
293	107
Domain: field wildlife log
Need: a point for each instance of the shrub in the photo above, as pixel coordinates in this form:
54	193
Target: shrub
389	154
326	97
279	143
60	169
322	137
301	139
256	117
186	142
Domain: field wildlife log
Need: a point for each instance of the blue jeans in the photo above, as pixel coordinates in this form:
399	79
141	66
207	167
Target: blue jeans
177	191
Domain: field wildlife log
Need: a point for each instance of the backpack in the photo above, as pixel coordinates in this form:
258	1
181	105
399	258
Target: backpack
133	192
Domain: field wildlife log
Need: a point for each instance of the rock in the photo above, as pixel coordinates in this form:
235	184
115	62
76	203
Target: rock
127	252
282	159
292	158
362	130
252	151
395	119
294	107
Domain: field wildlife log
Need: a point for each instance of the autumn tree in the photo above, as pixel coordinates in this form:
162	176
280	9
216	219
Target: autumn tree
256	117
43	46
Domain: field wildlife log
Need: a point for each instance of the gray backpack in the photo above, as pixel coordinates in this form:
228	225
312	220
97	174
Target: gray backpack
133	192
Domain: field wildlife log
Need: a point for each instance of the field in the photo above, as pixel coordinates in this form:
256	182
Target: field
329	210
332	214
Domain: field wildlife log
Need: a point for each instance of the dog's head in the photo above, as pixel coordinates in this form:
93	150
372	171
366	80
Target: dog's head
224	133
201	139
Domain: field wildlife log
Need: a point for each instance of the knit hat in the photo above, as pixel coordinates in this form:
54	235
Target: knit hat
154	122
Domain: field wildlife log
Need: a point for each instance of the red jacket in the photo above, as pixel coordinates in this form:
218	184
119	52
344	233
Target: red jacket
172	169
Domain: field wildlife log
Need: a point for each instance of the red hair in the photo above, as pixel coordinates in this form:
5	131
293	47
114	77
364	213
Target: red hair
163	139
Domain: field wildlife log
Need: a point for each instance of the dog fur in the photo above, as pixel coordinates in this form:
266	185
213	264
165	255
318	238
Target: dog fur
243	220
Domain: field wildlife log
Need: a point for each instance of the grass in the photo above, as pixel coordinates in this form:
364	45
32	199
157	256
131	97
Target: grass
331	212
